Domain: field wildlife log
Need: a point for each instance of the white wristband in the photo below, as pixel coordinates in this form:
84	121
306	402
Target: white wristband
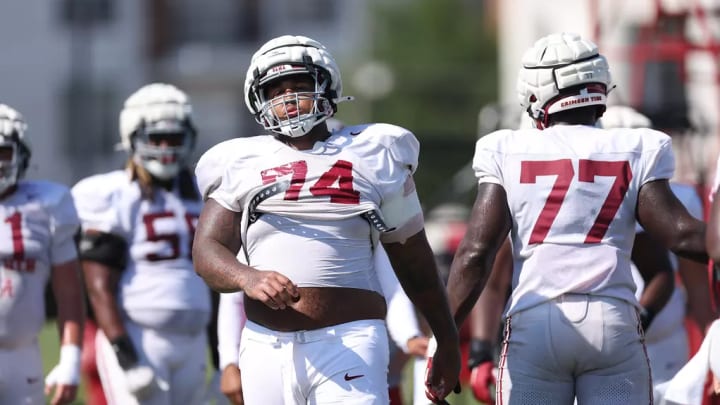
67	372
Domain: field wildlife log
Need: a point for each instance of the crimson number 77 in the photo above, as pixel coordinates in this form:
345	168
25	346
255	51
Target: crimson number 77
530	170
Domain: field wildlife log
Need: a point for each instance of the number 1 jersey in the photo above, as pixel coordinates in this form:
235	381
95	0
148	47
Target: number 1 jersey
572	192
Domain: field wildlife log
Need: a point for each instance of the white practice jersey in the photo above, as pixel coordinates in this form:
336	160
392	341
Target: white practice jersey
159	273
672	315
572	192
320	196
38	224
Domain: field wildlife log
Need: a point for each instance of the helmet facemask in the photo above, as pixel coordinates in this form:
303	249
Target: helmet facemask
13	161
289	55
274	114
163	147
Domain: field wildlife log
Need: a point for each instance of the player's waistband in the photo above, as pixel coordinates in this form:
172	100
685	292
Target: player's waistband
258	332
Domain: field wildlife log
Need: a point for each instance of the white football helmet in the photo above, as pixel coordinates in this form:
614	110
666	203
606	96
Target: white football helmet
158	110
560	72
12	135
620	116
291	55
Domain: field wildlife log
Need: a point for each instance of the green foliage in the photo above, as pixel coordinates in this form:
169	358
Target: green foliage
444	61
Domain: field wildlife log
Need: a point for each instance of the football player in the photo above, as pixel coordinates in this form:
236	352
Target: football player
137	228
569	193
665	307
406	338
38	245
307	207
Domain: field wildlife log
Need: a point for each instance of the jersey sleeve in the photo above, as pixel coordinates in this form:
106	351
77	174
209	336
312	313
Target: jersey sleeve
389	153
659	160
211	166
227	191
486	160
96	206
392	154
64	225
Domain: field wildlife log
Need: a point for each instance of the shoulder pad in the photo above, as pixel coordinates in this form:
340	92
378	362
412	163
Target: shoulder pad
213	163
50	193
380	141
95	199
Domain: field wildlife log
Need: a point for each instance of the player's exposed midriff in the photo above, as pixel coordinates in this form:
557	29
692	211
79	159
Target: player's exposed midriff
319	307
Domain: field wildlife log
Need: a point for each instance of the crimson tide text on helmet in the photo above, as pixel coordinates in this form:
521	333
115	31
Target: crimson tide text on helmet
561	72
291	55
158	110
12	135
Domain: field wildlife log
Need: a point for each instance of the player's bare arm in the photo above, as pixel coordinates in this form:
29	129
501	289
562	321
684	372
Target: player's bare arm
488	310
102	282
667	220
67	288
695	278
485	324
216	244
415	267
487	229
656	269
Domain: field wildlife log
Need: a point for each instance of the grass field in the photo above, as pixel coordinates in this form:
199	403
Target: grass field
50	354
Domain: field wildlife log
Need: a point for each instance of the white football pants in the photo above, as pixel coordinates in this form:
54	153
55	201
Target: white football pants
178	360
342	364
577	345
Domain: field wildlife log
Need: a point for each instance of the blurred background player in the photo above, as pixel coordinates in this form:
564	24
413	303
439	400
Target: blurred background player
37	234
573	325
666	338
406	339
137	229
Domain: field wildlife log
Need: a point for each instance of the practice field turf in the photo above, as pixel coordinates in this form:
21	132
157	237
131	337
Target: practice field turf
50	354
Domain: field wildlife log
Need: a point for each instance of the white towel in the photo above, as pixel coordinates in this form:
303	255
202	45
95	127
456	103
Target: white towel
686	387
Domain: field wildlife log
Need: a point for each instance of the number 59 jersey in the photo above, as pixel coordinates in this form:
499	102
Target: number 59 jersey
572	192
159	274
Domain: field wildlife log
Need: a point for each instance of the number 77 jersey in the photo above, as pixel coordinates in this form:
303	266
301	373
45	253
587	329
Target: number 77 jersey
572	192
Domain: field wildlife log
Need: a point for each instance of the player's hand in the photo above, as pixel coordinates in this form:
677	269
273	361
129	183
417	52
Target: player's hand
443	371
482	382
418	346
64	378
271	288
64	393
231	384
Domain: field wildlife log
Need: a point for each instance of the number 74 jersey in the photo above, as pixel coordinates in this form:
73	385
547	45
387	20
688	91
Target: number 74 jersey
572	192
